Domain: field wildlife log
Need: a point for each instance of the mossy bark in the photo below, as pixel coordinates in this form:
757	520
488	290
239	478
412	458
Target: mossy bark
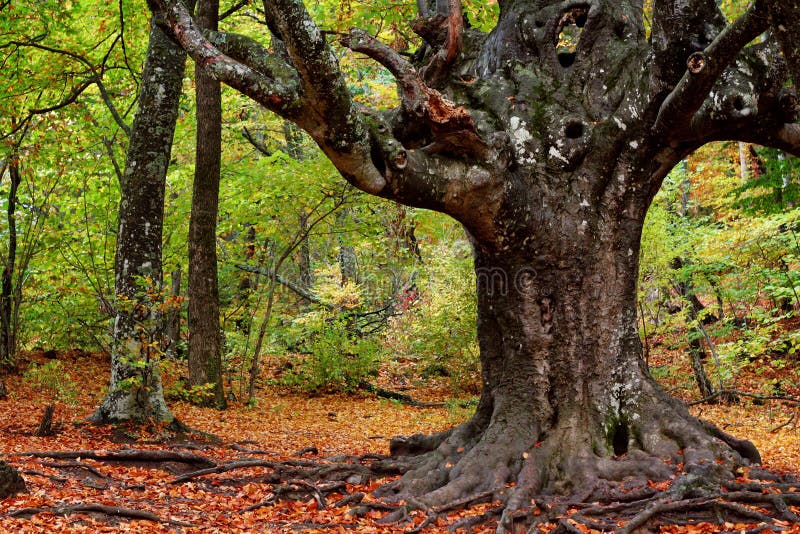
135	393
550	163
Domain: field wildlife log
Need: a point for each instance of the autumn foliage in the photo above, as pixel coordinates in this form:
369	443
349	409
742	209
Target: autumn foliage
89	489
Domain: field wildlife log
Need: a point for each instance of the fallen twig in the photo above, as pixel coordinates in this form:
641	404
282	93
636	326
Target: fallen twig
401	397
722	392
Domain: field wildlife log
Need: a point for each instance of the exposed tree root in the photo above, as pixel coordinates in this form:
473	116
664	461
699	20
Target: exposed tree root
170	461
76	465
625	493
114	511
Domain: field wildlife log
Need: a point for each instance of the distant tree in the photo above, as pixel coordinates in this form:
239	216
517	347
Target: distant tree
10	290
547	138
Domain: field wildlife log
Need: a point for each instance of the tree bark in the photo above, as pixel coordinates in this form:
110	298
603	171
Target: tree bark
8	324
550	163
205	339
562	364
45	427
11	481
174	349
135	393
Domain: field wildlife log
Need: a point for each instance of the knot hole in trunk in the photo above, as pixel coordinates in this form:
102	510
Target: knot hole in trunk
570	27
620	439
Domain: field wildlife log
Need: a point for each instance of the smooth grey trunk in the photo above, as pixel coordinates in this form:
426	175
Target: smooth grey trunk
205	339
135	393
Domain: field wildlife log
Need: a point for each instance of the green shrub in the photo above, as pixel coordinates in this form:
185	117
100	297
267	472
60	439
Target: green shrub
333	358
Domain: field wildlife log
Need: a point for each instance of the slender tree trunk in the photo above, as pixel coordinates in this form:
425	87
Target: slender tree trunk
697	355
135	393
205	340
744	173
347	254
8	326
306	278
173	319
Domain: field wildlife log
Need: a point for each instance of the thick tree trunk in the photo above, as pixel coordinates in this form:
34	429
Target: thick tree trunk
136	393
567	404
205	340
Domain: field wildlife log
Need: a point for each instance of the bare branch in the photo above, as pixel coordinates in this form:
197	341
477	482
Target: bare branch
233	9
95	78
703	69
258	145
70	99
111	107
309	296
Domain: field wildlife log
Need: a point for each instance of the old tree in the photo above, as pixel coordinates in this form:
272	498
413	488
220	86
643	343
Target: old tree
549	155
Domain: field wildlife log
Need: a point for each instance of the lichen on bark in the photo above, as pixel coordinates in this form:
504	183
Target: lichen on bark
550	164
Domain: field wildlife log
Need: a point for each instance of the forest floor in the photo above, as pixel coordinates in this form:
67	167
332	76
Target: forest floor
93	492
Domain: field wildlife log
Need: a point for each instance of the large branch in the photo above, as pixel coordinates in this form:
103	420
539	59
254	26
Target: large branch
330	117
420	103
679	29
785	21
703	70
254	75
310	92
300	80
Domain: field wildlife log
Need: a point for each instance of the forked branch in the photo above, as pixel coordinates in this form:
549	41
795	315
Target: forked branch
703	69
278	95
419	102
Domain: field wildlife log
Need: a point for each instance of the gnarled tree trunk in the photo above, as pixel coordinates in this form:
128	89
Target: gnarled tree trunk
566	393
547	138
